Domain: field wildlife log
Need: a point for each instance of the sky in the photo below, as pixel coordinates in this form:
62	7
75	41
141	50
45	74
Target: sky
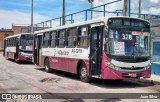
19	11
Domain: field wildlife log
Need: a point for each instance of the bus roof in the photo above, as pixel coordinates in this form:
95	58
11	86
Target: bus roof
98	20
18	35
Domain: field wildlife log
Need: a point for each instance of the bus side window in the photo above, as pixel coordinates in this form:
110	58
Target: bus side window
71	37
61	38
83	37
14	40
9	42
53	39
46	40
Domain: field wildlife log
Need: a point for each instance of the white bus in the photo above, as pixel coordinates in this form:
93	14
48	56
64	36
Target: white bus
107	48
19	47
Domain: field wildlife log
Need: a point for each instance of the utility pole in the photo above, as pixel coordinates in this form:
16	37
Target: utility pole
91	2
129	8
32	29
91	10
64	12
125	8
139	11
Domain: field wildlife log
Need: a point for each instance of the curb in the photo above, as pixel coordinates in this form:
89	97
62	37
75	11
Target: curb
155	80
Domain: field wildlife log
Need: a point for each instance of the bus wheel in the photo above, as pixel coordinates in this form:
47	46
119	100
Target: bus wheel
47	66
17	61
83	74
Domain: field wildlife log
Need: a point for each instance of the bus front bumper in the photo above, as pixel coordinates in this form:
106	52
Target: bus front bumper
115	74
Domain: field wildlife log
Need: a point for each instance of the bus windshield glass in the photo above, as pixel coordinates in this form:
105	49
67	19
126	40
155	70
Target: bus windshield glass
130	39
26	42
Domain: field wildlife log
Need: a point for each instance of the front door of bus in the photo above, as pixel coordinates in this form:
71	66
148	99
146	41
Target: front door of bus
17	48
96	50
4	52
37	50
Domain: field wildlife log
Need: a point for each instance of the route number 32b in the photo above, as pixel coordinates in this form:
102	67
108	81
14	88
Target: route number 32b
126	37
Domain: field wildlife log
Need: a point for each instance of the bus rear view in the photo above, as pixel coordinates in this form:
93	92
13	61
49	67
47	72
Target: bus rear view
127	49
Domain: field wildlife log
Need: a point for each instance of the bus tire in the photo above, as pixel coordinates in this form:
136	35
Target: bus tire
83	73
47	66
17	61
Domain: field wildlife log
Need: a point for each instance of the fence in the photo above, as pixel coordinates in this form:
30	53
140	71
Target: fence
84	15
98	11
155	44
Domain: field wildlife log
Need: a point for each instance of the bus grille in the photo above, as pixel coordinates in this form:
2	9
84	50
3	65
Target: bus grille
136	68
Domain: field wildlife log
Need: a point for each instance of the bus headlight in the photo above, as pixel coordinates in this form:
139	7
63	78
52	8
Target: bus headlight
147	67
110	65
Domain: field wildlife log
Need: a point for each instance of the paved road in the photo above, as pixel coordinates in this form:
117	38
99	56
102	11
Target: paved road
29	78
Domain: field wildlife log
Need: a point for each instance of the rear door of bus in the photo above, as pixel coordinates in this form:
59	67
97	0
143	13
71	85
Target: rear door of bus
37	49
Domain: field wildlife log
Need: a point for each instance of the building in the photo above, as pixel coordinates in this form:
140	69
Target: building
20	28
4	33
156	23
16	29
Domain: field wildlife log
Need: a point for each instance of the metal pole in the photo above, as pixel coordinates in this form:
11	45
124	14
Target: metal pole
32	29
139	11
86	15
129	8
91	1
104	10
91	10
125	8
64	12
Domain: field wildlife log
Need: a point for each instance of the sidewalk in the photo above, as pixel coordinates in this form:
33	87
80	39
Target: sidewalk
155	79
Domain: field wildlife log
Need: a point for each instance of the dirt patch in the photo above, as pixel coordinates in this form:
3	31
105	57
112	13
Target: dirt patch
50	80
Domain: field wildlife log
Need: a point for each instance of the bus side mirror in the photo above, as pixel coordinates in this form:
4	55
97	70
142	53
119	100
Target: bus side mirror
105	35
105	41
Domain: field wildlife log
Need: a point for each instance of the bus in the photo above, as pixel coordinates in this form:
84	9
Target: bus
19	47
115	48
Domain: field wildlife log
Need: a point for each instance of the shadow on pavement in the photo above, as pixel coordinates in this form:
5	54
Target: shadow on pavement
113	84
20	62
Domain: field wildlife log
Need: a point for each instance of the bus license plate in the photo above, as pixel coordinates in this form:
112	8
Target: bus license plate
132	75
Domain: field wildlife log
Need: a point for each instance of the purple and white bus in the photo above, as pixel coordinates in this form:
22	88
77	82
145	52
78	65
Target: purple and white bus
19	47
108	48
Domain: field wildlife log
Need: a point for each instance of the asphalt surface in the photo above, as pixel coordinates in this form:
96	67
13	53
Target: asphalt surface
28	78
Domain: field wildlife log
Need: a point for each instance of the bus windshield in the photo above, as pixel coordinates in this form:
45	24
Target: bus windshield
128	42
128	37
26	42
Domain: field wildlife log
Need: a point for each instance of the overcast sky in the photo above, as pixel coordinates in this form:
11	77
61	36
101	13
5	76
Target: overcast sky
18	11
